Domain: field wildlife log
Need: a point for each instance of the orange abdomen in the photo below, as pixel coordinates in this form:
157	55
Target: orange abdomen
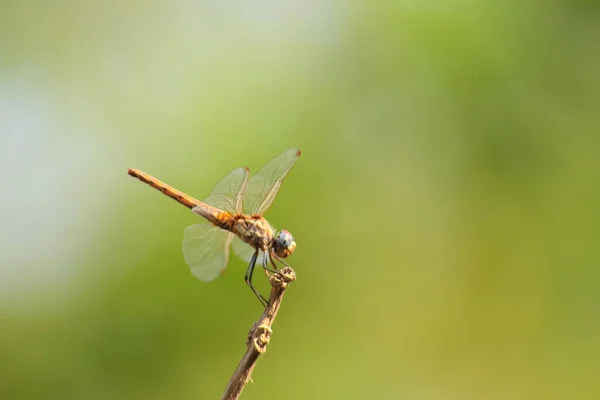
214	215
173	193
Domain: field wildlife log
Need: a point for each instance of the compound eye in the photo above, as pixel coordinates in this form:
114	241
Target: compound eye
284	244
284	239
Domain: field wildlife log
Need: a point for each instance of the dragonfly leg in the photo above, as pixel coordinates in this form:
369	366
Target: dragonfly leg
280	260
248	279
264	265
273	262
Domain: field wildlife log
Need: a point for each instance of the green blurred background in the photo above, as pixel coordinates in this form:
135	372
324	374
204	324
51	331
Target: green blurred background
446	205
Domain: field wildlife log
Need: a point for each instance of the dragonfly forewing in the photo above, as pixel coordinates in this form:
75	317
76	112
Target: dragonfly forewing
263	187
227	194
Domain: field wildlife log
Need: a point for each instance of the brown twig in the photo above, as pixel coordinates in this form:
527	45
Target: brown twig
259	334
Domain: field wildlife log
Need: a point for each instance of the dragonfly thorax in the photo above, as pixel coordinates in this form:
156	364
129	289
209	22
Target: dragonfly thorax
254	230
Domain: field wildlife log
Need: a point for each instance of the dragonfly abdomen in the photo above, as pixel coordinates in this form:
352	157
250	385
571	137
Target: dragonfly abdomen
215	216
173	193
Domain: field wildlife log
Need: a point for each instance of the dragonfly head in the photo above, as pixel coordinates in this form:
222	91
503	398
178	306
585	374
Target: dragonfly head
284	244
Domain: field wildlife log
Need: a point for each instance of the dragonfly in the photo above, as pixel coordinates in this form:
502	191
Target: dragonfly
234	218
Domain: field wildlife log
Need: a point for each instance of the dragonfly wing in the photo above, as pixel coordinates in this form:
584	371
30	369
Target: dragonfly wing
262	187
245	251
206	250
227	194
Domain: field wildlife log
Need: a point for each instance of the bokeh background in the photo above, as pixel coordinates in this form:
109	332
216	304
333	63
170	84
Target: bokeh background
446	205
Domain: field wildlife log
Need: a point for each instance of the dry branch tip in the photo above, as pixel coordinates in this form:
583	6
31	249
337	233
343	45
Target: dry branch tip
259	335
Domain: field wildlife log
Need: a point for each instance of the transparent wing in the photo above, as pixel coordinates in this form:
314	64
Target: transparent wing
227	194
206	250
262	187
245	251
